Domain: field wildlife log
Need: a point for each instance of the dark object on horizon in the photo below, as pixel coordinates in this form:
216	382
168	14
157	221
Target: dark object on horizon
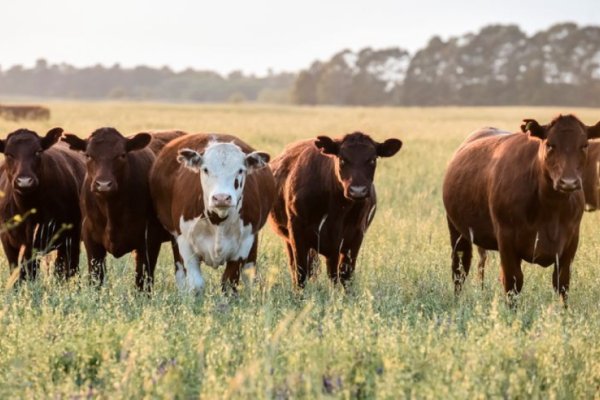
21	112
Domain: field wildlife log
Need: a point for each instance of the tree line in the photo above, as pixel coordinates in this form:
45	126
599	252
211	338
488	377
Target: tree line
499	65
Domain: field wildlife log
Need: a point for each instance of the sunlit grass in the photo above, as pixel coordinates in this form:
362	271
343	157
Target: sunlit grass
398	333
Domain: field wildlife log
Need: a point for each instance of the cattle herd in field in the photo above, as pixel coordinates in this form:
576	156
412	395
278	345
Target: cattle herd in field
522	194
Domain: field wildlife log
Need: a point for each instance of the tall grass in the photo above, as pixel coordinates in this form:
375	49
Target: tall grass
399	332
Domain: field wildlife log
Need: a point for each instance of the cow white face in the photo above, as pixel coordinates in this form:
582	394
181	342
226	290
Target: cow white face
223	168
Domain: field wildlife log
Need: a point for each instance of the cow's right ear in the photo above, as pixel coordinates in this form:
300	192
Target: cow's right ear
190	159
593	132
327	145
534	128
74	142
2	145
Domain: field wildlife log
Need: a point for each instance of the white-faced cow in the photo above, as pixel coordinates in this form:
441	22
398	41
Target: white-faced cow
326	201
39	176
115	200
213	193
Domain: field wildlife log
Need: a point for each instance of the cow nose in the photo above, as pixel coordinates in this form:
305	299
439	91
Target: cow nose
358	192
24	181
221	200
103	186
568	184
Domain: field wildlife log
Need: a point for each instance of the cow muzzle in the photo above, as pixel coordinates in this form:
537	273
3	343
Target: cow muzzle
104	186
358	192
221	201
568	185
24	183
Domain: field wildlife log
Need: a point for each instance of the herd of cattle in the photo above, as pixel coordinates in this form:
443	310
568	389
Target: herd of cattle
209	195
19	112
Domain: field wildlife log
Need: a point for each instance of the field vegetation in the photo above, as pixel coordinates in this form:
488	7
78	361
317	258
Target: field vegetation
399	332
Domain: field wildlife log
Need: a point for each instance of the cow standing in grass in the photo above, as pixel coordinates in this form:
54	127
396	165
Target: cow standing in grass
40	182
115	200
326	201
521	195
213	193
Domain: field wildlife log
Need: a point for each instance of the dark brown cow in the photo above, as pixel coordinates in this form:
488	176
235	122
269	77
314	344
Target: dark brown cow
519	194
41	181
213	193
591	178
19	112
326	200
115	200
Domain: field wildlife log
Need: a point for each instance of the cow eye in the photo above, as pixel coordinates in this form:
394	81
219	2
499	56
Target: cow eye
240	171
343	162
88	157
123	156
372	161
38	153
550	147
205	170
9	157
585	146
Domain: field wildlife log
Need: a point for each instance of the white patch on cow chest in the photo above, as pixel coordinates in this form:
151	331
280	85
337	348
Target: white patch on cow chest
216	244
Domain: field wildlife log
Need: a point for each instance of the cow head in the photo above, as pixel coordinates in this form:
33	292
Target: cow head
223	168
106	151
564	149
355	158
23	151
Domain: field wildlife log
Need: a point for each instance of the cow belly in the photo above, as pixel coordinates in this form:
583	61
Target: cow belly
217	244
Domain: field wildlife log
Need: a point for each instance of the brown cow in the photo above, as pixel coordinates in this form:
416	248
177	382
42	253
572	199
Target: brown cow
326	200
591	178
115	200
41	181
18	112
521	195
213	193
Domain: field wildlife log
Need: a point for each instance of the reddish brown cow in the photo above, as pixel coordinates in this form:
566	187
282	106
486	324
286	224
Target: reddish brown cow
591	178
213	193
115	200
41	181
521	195
326	200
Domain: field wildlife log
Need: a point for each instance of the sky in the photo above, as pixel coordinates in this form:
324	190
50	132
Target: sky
253	35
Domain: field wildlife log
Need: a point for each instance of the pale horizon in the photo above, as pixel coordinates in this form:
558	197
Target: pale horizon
251	37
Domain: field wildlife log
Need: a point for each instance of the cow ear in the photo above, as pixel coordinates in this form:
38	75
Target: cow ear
593	132
389	147
534	128
257	160
74	142
138	142
51	138
2	145
327	145
190	159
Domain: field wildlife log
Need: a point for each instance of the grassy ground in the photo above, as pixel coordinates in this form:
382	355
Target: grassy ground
399	333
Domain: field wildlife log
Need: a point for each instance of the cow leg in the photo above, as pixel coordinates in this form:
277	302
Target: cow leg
511	273
481	265
12	253
67	257
333	263
30	264
177	260
96	261
462	251
300	251
231	276
145	264
194	281
348	257
561	276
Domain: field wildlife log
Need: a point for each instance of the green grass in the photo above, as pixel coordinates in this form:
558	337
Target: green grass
398	333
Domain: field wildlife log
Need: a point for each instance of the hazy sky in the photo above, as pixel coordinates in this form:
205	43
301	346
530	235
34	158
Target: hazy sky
251	35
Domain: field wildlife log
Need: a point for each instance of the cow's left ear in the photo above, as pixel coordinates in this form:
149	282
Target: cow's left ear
534	128
138	142
190	159
257	160
593	132
51	138
389	147
327	145
2	145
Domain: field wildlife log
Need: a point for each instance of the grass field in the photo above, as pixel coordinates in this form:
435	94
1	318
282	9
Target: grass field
398	333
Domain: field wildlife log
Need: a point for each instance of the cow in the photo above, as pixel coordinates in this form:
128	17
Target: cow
519	194
118	216
326	200
40	182
18	112
213	192
591	179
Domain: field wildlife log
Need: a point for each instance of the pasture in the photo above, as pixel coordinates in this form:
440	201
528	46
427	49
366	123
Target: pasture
399	332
